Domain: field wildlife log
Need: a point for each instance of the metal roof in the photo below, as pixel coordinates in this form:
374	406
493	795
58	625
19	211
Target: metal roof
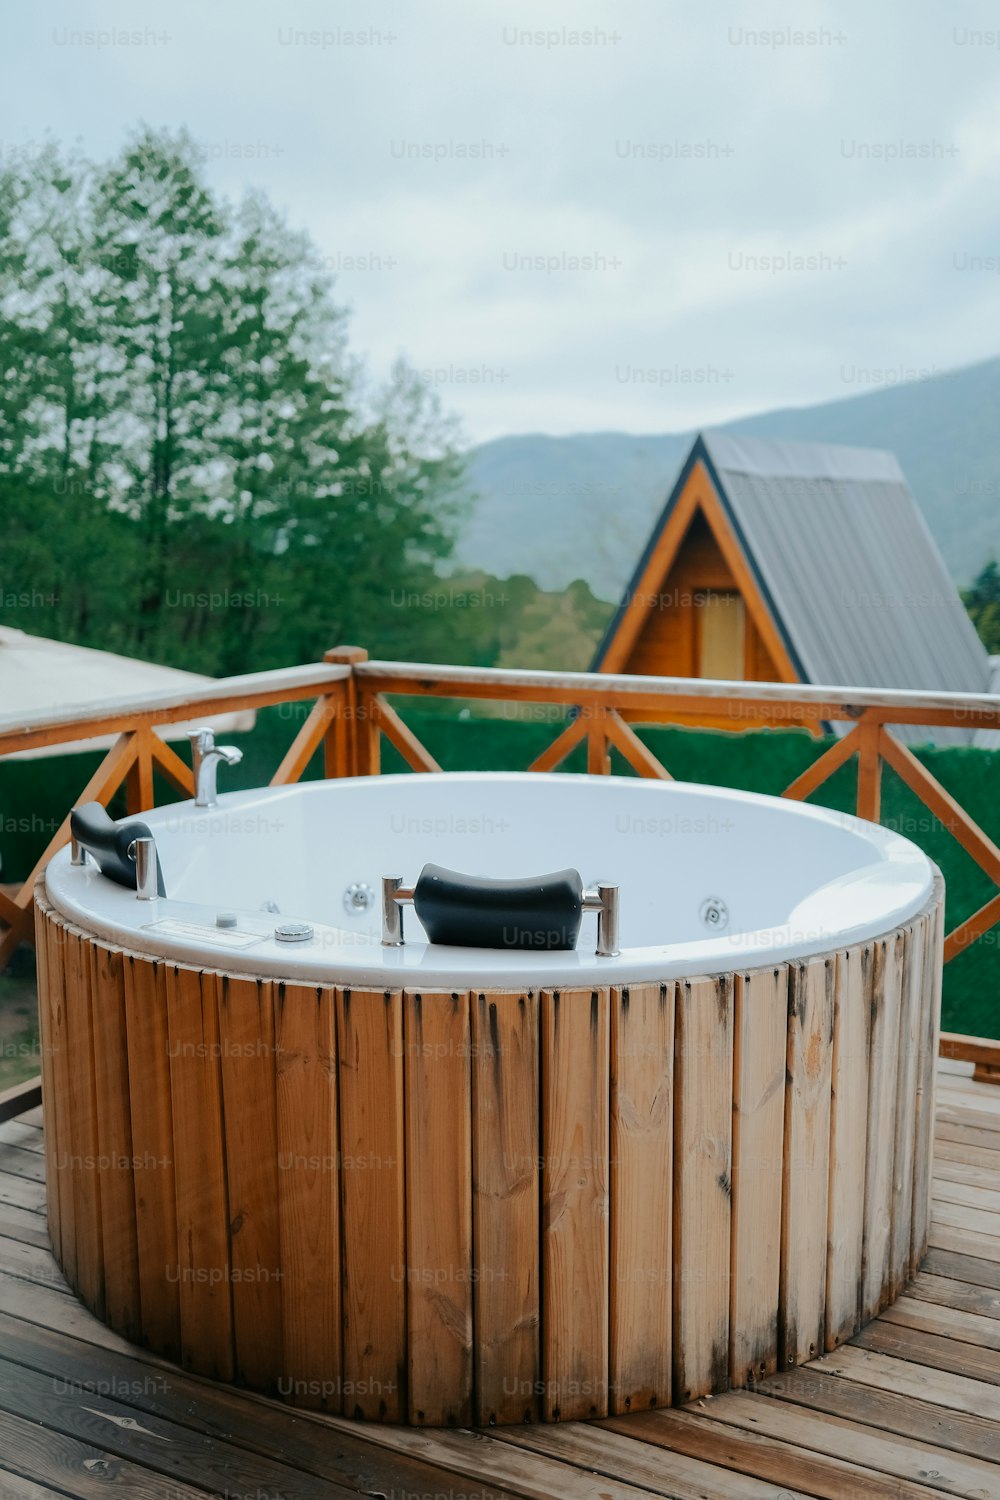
847	565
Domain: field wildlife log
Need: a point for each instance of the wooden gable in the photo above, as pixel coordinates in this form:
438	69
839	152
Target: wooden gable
696	609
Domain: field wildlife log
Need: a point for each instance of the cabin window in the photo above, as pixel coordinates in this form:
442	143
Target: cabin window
721	635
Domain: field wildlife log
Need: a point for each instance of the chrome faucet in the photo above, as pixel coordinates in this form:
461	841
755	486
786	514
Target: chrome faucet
205	757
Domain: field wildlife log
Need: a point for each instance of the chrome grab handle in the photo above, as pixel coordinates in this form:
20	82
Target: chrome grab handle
602	898
143	851
394	895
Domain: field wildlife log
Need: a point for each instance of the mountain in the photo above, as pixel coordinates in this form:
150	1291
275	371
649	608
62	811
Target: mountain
559	508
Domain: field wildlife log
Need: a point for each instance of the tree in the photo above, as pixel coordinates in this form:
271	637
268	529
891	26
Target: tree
188	455
982	601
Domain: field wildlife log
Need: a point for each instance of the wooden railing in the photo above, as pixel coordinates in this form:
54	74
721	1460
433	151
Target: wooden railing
138	750
352	713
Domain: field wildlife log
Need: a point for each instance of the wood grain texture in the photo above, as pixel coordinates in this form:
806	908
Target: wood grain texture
882	1069
506	1167
575	1150
310	1167
911	996
437	1088
370	1034
81	1156
924	1104
114	1141
48	981
848	1143
502	1208
61	1184
805	1189
759	1046
245	1014
151	1115
703	1095
201	1265
641	1278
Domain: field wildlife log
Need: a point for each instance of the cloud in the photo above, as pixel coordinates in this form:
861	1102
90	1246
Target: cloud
541	204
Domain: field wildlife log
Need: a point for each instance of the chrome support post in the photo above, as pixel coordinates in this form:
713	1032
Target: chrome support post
77	853
394	895
143	851
604	899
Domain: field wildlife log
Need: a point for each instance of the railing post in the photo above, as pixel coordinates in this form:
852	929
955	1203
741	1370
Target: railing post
139	779
367	735
870	770
598	757
340	743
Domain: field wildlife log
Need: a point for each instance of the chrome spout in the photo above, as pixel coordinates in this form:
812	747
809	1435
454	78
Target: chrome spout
205	757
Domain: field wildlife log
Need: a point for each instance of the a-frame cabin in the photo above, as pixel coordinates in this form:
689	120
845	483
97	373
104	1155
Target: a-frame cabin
791	562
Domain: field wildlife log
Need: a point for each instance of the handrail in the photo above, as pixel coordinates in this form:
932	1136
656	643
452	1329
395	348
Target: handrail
891	705
172	705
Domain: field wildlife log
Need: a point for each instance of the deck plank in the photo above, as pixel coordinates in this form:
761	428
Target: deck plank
884	1408
80	1469
161	1445
949	1322
215	1411
762	1456
961	1295
16	1487
931	1350
875	1450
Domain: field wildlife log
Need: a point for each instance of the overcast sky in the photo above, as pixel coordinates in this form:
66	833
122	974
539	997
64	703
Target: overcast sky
748	205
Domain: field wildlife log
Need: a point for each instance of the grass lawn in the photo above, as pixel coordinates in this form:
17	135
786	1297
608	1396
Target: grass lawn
20	1056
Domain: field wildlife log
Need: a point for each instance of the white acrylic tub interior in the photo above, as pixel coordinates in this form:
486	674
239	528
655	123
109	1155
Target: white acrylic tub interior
794	880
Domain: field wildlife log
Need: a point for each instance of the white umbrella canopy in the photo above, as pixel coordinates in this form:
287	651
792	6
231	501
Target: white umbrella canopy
38	675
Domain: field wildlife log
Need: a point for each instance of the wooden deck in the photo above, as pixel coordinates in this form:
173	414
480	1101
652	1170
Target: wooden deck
909	1408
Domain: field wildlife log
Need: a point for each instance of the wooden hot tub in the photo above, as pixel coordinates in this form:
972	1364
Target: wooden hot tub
483	1203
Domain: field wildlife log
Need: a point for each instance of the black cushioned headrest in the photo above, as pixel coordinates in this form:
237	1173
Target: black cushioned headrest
469	911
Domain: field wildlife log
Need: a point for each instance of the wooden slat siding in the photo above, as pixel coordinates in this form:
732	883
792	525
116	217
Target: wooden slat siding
806	1185
114	1136
201	1265
575	1062
901	1231
883	1055
759	1044
370	1042
642	1047
506	1147
153	1152
437	1089
930	1030
61	1186
848	1143
246	1048
81	1142
702	1212
49	980
308	1196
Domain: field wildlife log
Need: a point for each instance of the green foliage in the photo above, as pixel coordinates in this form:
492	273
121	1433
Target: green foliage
191	468
982	601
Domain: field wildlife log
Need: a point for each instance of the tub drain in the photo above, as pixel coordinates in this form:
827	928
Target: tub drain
714	912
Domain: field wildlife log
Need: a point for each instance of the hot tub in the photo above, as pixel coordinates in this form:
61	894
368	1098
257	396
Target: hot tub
445	1184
